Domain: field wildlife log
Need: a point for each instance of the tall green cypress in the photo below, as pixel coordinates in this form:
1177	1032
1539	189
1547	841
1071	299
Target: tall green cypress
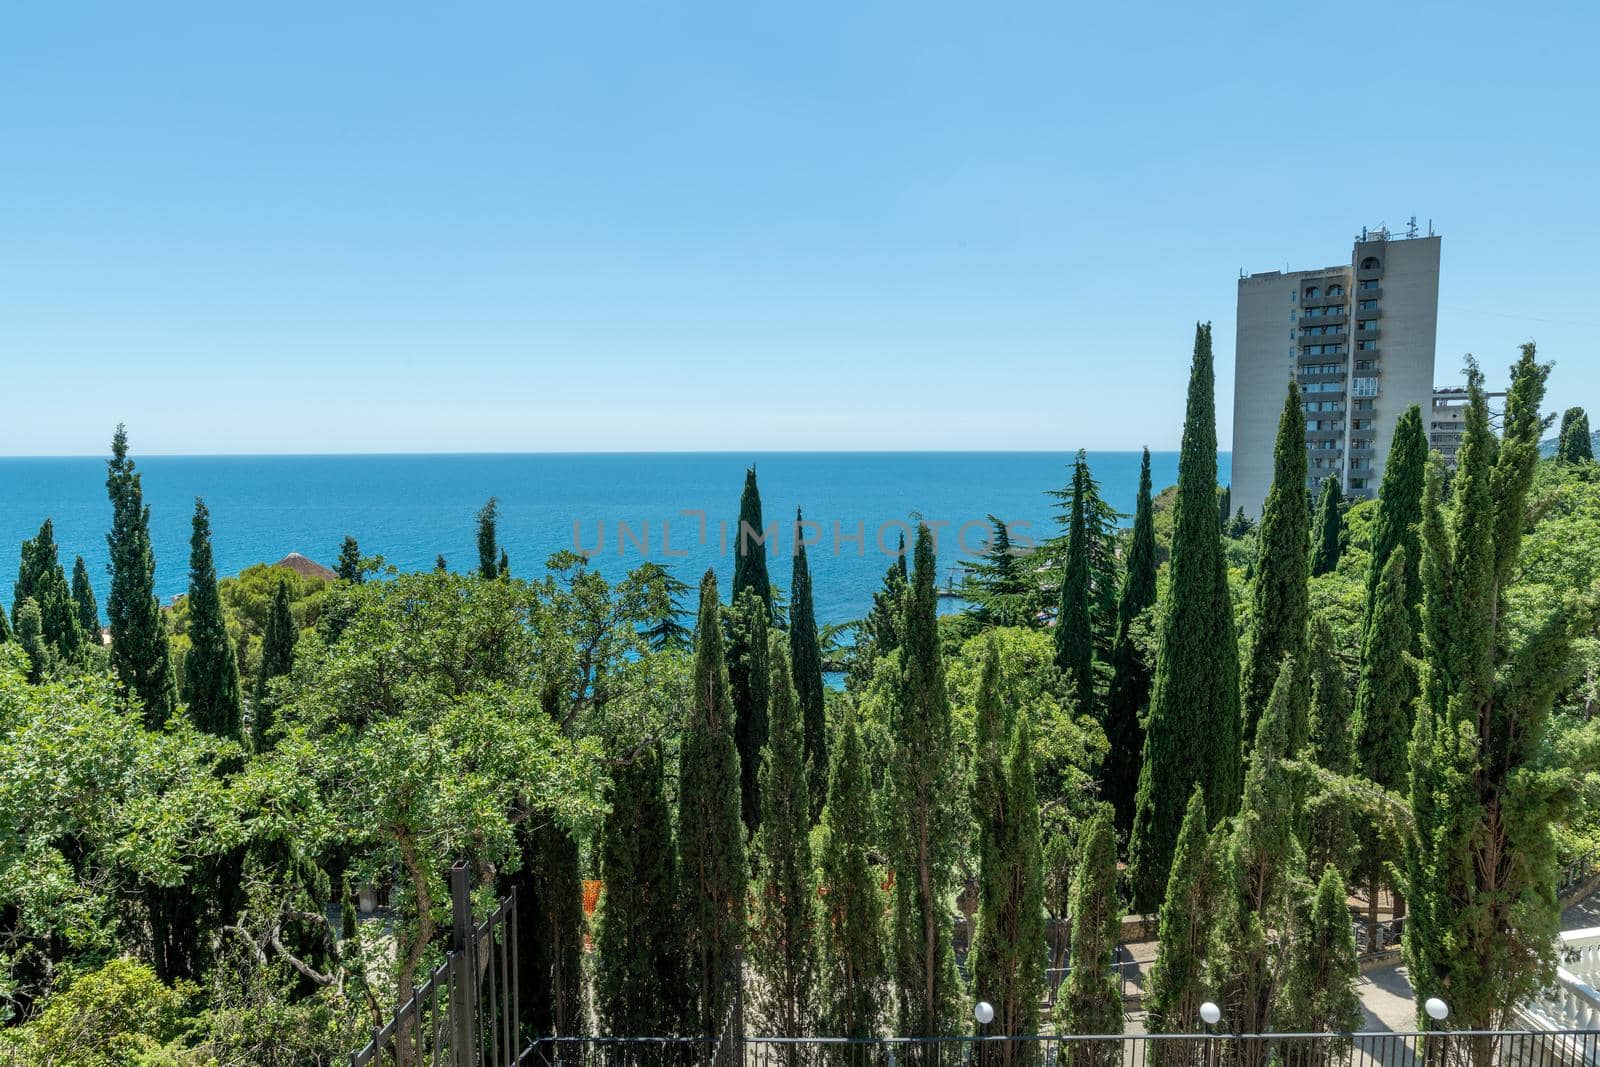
83	599
1482	865
1332	740
784	927
638	979
854	964
805	651
1328	530
1178	983
1192	734
710	835
348	568
750	546
1575	444
991	727
550	934
1279	601
922	818
277	657
1074	630
140	653
1091	1000
210	673
41	579
1318	994
30	635
1130	673
749	669
5	627
1399	519
488	550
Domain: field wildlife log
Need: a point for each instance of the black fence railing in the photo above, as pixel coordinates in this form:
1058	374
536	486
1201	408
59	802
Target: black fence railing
464	1013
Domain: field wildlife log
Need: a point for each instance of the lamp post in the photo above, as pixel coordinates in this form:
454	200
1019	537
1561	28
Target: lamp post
983	1013
1437	1011
1211	1015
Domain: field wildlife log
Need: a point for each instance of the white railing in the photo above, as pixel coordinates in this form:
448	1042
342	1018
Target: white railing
1572	1002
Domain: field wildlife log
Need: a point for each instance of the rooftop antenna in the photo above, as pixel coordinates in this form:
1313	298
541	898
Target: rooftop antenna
1411	227
1430	227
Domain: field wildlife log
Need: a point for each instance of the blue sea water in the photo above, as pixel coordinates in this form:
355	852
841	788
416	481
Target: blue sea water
409	508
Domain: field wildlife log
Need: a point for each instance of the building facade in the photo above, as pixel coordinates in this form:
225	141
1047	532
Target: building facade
1449	419
1359	338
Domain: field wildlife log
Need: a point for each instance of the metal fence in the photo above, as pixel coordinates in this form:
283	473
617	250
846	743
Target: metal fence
465	1011
1444	1049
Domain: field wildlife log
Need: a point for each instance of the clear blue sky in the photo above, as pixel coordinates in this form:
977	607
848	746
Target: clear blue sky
515	227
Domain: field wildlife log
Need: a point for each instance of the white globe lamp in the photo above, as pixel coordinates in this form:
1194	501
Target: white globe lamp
983	1011
1437	1009
1210	1013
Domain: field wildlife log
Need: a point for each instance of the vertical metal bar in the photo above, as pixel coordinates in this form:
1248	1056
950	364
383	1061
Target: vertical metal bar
512	947
494	996
462	1007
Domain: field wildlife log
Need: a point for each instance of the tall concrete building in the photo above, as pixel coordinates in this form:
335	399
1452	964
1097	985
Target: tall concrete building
1358	337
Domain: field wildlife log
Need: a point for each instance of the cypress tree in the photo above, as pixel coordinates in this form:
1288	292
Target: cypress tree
349	565
30	635
750	546
1279	601
1192	735
1130	674
439	563
882	624
1481	867
1575	444
210	673
277	657
1224	508
638	979
140	653
83	598
710	836
41	579
749	676
550	935
854	974
1091	1002
1177	979
1399	518
5	628
784	929
922	821
1008	969
991	726
1074	630
1332	741
1319	987
488	519
503	568
806	654
1328	529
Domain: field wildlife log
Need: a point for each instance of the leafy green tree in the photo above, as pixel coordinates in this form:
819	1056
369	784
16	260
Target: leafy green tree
41	579
998	585
30	636
1192	735
210	672
349	569
1575	445
488	549
750	547
638	978
1091	1001
1480	870
1318	994
805	653
1130	672
1278	597
277	657
83	598
854	966
1328	529
118	1014
784	927
1074	629
922	820
1178	983
749	677
140	653
710	835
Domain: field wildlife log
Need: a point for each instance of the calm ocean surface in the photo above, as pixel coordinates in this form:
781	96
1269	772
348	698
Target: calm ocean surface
409	508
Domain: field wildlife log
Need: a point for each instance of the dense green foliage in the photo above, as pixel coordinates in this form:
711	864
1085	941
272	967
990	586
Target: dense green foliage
750	548
1318	992
1129	693
41	579
805	654
210	672
1177	979
998	586
1574	444
139	650
749	671
488	539
277	657
1074	628
1091	997
1327	530
349	568
854	963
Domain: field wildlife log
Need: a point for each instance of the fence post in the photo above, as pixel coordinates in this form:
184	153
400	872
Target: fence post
464	1009
738	1002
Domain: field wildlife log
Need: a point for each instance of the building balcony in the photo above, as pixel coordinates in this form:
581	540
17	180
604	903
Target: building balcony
1366	335
1375	293
1369	275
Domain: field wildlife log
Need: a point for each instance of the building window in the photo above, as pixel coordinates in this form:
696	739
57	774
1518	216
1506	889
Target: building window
1365	387
1364	364
1335	290
1358	483
1370	284
1363	405
1367	324
1312	292
1370	263
1368	305
1367	346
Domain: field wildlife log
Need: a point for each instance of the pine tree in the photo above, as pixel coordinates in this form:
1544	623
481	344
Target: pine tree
488	520
348	568
30	635
1074	630
665	633
210	673
439	563
1279	601
140	653
1575	445
750	547
1318	994
922	820
998	586
83	598
1481	868
1177	979
1091	1001
41	579
1130	674
854	975
1007	969
1192	734
1328	529
277	657
749	675
638	980
784	928
806	655
710	835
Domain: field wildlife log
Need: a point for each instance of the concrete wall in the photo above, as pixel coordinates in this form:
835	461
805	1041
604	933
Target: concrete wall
1408	332
1263	364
